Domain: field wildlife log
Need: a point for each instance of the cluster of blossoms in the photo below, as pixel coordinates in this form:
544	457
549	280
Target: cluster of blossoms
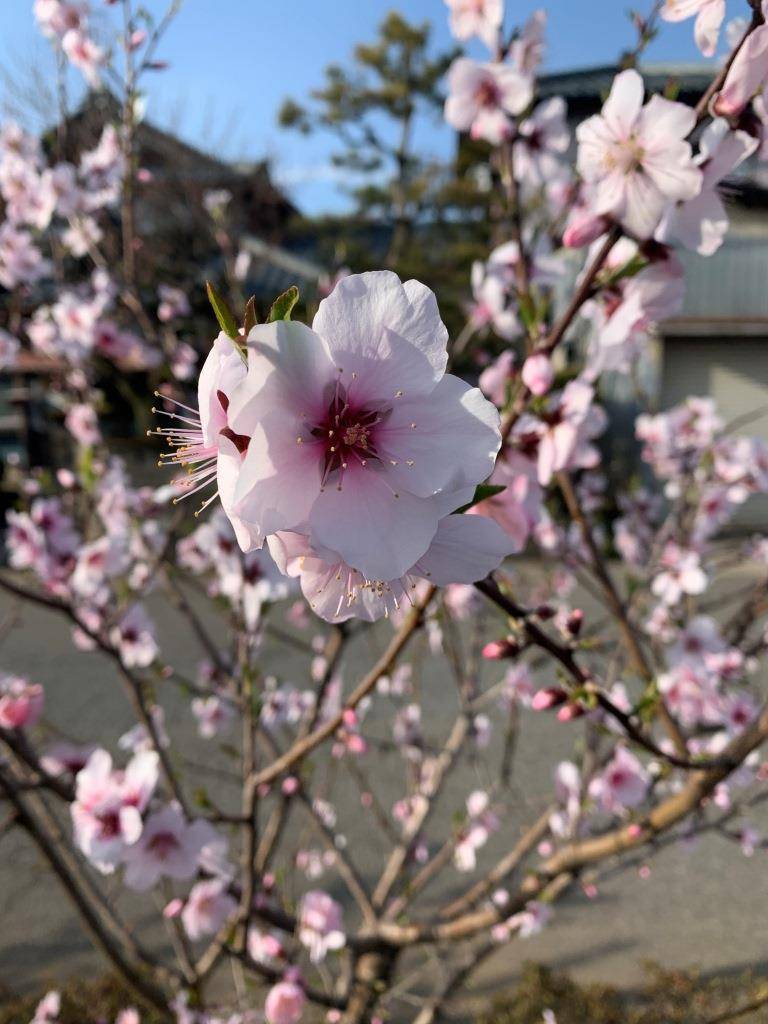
65	23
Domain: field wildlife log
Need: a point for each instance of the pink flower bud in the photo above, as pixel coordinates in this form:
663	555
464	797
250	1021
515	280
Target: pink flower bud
137	38
634	831
498	649
550	697
349	718
644	871
290	785
590	891
538	374
356	744
583	228
173	909
569	712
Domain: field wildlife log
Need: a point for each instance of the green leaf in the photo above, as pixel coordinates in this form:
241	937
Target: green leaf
223	314
283	305
482	491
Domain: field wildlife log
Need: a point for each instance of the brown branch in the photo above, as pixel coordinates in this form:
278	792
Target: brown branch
301	748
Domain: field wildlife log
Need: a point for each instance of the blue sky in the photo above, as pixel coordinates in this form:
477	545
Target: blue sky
233	61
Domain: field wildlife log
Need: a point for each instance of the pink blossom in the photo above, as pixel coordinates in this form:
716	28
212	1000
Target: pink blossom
356	433
85	55
285	1002
637	156
483	96
680	574
263	947
321	925
102	169
538	374
568	790
527	50
82	423
480	18
208	906
701	223
482	822
57	17
625	314
491	306
48	1009
21	702
168	847
82	236
108	806
517	509
569	428
134	637
214	715
463	550
21	262
623	783
173	303
206	442
541	142
709	18
747	75
495	379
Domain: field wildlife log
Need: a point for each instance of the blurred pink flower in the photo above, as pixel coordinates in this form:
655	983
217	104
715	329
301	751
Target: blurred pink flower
709	17
483	96
637	155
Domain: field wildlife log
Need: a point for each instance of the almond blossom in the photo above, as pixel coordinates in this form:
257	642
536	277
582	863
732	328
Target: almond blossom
748	74
482	98
480	18
681	573
168	847
134	637
622	784
701	223
207	907
570	424
108	807
541	142
21	702
463	550
637	155
356	432
709	17
320	924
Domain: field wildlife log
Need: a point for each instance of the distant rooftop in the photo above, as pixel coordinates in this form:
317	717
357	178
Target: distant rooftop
593	83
